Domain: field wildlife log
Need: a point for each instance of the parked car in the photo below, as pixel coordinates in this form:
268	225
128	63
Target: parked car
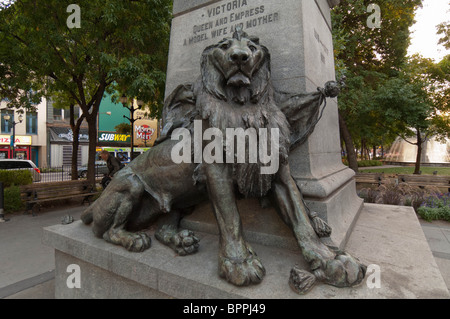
17	164
100	169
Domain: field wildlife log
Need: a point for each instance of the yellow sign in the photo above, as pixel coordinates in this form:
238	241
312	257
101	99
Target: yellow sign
20	140
145	132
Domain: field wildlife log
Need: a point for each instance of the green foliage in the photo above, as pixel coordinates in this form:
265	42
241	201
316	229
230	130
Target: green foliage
430	214
369	58
15	177
387	93
121	46
444	32
367	163
123	128
13	202
436	207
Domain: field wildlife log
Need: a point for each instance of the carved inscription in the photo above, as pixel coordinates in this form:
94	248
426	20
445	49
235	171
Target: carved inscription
222	20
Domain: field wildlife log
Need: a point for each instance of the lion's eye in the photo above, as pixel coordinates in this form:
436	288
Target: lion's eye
225	46
252	48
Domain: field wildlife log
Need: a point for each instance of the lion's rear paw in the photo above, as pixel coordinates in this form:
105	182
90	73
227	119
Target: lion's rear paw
343	271
241	271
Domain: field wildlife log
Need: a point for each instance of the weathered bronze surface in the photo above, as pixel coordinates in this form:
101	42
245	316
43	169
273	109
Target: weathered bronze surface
234	91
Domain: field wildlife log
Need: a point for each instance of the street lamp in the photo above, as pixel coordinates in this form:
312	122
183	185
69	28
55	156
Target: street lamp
7	118
132	109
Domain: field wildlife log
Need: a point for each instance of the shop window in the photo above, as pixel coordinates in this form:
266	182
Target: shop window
6	125
31	123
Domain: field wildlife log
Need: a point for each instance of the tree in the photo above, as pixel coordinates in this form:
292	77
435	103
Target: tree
368	57
119	45
412	103
61	101
123	128
444	32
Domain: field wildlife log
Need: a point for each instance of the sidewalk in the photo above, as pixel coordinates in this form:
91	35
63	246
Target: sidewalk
24	261
27	266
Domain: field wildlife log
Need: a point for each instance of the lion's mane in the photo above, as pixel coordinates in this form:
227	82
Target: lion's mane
253	106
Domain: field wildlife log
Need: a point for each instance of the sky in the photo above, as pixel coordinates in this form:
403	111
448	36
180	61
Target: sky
424	37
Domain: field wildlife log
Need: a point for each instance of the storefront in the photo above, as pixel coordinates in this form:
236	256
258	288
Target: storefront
123	153
22	148
61	139
118	145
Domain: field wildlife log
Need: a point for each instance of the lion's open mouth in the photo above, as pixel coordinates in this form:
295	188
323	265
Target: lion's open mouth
239	79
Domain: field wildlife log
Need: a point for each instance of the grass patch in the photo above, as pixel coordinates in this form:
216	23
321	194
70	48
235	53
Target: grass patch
443	171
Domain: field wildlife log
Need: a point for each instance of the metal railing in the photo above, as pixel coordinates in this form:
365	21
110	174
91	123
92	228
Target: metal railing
64	173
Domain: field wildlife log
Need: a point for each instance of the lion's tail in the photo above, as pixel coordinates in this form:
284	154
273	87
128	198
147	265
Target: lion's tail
87	216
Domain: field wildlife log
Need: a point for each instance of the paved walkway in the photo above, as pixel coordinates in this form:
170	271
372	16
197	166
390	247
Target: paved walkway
27	266
24	261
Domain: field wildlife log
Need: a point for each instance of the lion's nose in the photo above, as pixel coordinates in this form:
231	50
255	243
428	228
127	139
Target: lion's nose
240	56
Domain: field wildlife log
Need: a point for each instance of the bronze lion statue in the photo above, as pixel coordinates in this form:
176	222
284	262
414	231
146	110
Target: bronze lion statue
233	91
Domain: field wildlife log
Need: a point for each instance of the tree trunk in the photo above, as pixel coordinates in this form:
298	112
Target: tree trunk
374	152
91	119
361	151
349	146
419	153
75	143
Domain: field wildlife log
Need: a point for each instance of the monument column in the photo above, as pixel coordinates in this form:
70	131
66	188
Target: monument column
298	36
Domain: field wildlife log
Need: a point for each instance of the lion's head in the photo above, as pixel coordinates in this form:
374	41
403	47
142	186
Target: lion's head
236	68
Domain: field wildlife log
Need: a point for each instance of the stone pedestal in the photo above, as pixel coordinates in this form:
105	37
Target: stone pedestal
389	237
298	36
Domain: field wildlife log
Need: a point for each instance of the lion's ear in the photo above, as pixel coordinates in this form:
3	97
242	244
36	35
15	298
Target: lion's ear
261	78
212	78
254	39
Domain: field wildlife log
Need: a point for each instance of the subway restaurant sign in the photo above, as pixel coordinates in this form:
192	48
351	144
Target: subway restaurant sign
19	140
113	138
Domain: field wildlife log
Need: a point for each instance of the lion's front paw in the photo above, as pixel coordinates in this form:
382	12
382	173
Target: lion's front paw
343	271
182	242
242	271
134	242
138	242
301	281
185	243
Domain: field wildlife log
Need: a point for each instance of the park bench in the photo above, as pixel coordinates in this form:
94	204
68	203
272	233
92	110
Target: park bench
46	192
370	178
413	180
425	180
